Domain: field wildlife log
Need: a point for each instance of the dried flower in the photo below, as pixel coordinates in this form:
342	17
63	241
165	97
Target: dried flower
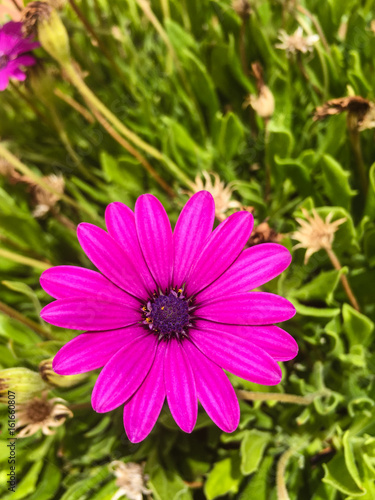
41	414
316	234
34	13
182	311
221	193
361	111
13	57
130	480
24	382
50	377
44	200
263	233
296	42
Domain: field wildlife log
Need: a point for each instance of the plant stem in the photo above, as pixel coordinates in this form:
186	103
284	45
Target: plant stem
274	396
165	9
282	492
125	144
75	105
21	259
336	264
355	141
12	313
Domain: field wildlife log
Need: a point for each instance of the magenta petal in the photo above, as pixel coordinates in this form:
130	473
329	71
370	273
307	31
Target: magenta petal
90	351
120	222
124	373
193	227
89	314
220	250
180	386
276	342
214	390
4	79
155	237
143	409
110	259
237	355
63	282
251	308
254	267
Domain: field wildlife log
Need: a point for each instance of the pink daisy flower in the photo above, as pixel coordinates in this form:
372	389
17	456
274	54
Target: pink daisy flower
169	312
12	53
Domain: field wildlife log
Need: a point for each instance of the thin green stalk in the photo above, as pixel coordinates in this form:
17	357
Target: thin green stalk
21	259
282	492
165	8
12	313
275	396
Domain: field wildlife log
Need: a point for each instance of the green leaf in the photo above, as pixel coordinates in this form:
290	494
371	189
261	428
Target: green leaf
336	182
225	477
167	485
357	326
338	476
252	450
320	288
324	312
231	134
258	485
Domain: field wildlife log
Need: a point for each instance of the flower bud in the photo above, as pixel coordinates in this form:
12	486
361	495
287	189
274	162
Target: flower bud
41	19
52	378
25	383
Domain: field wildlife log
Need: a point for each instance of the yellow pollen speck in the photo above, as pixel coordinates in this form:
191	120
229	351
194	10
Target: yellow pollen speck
163	308
149	320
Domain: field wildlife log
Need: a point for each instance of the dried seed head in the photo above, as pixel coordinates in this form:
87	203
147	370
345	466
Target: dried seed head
50	377
263	233
263	104
32	15
242	7
221	193
24	382
316	234
296	42
40	414
130	480
44	200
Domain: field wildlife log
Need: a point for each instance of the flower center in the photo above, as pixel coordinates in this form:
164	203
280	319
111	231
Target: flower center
168	315
3	61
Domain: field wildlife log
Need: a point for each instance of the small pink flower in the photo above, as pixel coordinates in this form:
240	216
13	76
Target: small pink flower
12	53
170	311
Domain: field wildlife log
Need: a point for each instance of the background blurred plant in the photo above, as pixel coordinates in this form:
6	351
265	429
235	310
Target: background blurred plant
140	96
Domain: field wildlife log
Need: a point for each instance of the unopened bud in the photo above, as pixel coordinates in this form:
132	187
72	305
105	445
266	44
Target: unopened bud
52	378
41	19
25	383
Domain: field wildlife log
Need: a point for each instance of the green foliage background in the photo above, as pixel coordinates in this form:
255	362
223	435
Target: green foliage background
182	90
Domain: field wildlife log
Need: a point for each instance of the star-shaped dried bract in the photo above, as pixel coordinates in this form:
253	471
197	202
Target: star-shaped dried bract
296	42
222	194
315	233
130	480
